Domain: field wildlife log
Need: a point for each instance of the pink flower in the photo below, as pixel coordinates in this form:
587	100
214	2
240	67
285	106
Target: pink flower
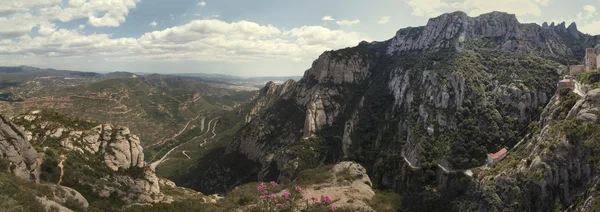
298	189
314	199
280	205
262	188
326	199
333	208
286	195
274	184
272	196
263	197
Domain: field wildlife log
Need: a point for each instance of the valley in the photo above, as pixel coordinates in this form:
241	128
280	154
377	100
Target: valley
465	113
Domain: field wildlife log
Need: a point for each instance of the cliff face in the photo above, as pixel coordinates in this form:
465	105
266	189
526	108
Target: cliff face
445	94
18	156
553	168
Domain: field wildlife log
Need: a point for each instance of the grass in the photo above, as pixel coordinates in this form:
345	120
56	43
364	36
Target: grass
385	201
20	195
314	176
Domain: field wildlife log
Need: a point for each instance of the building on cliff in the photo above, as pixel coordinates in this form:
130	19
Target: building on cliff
566	83
575	69
592	59
495	157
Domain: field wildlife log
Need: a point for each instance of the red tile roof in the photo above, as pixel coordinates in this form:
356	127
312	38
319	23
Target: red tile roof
498	154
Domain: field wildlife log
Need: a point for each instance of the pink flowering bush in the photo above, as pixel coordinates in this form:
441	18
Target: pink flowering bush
287	200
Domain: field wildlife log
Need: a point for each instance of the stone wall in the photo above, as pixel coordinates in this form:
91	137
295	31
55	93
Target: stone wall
591	59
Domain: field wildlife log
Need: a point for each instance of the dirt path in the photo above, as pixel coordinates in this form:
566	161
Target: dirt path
184	153
214	126
213	132
158	162
62	168
179	133
202	124
408	162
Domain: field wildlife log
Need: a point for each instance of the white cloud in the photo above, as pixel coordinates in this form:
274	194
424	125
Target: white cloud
153	24
200	40
432	8
19	24
81	26
542	2
347	23
327	18
202	4
590	27
427	8
11	7
76	3
588	13
100	13
517	7
384	20
589	8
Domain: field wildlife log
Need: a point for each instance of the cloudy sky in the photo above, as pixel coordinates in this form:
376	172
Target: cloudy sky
235	37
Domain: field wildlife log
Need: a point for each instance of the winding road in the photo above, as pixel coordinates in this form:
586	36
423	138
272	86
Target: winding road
179	133
154	164
184	153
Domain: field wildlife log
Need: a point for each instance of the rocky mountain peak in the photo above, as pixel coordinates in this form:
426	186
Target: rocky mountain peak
270	87
561	27
452	30
545	25
572	29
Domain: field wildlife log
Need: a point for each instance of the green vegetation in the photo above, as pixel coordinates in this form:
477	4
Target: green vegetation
20	195
385	201
590	77
567	101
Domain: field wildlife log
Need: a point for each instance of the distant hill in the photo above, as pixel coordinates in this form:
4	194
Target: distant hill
156	107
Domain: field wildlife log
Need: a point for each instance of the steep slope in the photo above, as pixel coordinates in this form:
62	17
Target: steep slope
555	168
445	94
18	156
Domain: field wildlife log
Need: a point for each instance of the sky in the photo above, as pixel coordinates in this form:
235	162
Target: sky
233	37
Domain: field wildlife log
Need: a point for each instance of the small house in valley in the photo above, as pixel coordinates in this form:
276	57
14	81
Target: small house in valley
495	157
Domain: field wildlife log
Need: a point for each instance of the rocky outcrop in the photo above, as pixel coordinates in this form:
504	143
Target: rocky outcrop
349	186
315	117
459	31
120	151
586	108
120	148
145	189
16	152
266	97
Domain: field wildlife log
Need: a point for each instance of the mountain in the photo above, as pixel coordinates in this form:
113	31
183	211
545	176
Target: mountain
418	110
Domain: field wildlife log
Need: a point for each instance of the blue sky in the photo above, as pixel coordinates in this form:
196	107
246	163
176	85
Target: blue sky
236	37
